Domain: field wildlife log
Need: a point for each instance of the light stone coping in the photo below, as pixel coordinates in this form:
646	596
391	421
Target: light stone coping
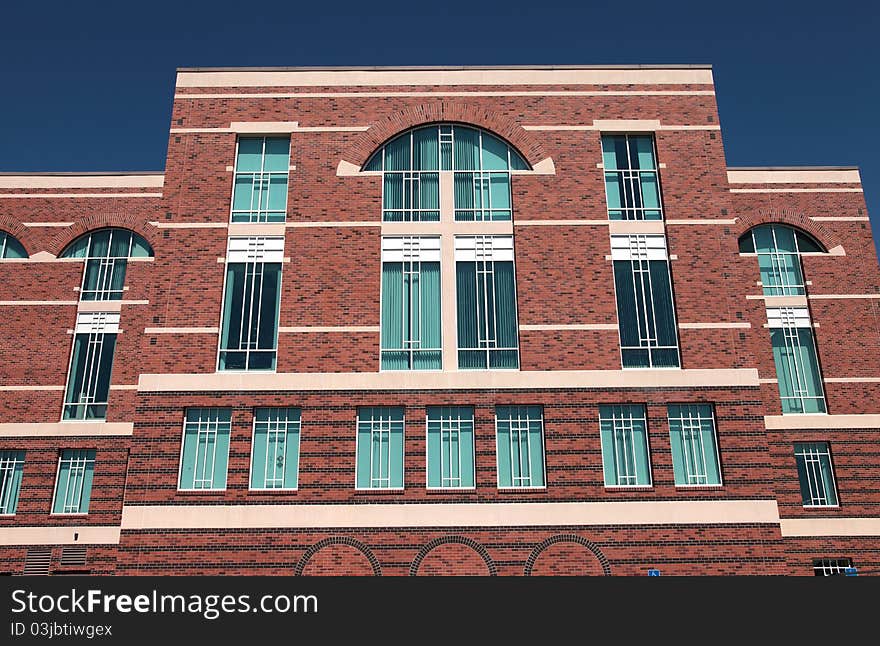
830	526
66	429
374	78
451	380
81	181
794	176
86	535
820	421
136	517
89	195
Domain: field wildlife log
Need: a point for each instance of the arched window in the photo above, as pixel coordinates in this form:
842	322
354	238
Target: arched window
106	252
10	247
413	163
778	248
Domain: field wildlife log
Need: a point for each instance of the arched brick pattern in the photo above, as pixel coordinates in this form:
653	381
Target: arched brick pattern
447	111
444	540
567	538
338	540
99	221
822	233
20	232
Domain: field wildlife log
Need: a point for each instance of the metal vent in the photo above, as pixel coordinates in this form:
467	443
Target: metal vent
73	555
37	562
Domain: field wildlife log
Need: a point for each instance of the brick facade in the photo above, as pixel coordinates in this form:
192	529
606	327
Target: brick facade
569	345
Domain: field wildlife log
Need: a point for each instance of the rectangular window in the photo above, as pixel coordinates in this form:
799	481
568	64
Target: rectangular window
450	447
624	432
259	192
488	334
73	487
411	303
379	448
831	567
275	449
645	305
251	304
779	261
205	450
411	183
482	177
520	444
797	364
632	185
11	467
694	448
91	365
816	474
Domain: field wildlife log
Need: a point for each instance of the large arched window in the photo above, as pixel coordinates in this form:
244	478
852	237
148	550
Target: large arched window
453	174
106	252
10	247
412	164
778	248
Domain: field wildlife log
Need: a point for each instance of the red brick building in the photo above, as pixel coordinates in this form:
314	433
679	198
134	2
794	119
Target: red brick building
440	321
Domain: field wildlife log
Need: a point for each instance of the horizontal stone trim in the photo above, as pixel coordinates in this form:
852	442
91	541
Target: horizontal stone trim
190	225
182	330
636	227
269	128
22	303
120	180
537	514
438	94
330	225
331	329
840	219
722	325
66	429
573	326
99	306
796	190
89	535
449	380
47	224
423	77
830	527
27	388
256	229
794	176
727	221
621	125
560	223
820	421
450	227
779	301
821	297
90	195
852	380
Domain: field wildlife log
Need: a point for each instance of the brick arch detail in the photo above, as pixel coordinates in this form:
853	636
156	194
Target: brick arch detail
338	540
796	219
381	131
20	232
461	540
567	538
99	221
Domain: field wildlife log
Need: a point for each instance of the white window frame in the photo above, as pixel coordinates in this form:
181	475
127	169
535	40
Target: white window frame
789	319
96	325
287	424
614	420
813	469
519	421
831	566
198	443
457	422
7	472
81	464
632	176
373	430
264	177
696	428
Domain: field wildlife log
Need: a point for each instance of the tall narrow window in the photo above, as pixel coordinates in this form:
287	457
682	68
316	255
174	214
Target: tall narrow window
797	364
275	451
488	335
778	248
413	163
624	432
11	467
520	446
91	365
10	247
106	252
450	447
73	486
632	186
816	474
694	448
251	304
205	449
411	303
261	173
379	448
645	306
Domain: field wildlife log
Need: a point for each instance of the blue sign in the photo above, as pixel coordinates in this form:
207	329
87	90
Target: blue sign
655	572
851	571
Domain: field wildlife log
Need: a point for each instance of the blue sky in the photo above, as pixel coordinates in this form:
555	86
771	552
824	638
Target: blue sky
87	85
